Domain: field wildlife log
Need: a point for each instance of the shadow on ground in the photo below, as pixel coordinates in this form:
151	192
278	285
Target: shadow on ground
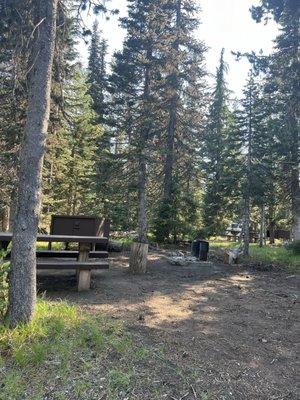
234	330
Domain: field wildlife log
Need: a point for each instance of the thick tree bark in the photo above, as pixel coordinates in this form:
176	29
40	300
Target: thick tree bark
22	287
138	258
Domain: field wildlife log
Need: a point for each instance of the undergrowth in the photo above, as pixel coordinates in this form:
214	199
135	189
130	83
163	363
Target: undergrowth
271	254
60	341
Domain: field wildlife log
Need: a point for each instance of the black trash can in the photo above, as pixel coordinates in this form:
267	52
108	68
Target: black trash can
195	248
203	250
200	249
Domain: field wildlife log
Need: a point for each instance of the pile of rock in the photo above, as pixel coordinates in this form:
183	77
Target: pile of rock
181	258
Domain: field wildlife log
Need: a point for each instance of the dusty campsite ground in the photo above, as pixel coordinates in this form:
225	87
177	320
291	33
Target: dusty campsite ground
214	331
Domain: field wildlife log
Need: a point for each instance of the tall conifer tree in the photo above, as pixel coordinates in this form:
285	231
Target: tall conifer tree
284	76
253	129
215	152
135	84
97	76
183	85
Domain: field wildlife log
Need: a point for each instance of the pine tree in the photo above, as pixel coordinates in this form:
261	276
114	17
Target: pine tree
14	25
215	153
72	189
253	128
135	89
284	79
183	85
97	76
14	98
278	198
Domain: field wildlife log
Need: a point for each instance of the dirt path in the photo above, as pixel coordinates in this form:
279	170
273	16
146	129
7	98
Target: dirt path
235	331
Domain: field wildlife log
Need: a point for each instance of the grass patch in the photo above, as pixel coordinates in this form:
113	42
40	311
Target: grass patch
270	254
275	255
60	343
223	244
66	353
119	381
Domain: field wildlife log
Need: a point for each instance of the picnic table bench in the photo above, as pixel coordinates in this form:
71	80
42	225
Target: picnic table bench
83	263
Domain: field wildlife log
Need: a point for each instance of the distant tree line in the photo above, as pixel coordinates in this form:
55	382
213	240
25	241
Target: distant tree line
148	137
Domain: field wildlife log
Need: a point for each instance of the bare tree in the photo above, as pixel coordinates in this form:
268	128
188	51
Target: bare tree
22	289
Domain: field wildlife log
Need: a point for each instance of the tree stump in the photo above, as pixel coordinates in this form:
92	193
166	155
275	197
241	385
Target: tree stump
138	258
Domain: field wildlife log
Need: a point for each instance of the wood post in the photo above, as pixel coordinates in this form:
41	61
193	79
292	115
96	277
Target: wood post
84	280
138	258
83	276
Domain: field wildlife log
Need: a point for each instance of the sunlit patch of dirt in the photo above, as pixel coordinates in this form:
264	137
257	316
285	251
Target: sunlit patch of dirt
234	329
166	309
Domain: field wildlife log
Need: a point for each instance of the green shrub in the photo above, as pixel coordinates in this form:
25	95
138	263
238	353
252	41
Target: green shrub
294	247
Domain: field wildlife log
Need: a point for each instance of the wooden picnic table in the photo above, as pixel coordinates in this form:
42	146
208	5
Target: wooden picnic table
7	237
83	266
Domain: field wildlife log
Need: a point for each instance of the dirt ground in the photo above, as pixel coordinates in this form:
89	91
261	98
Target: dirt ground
235	330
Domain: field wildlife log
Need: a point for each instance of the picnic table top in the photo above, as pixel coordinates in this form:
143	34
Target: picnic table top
7	236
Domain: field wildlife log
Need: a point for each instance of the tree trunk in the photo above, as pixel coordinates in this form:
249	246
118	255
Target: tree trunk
272	232
247	193
143	225
12	209
169	161
4	223
138	258
143	150
246	227
272	224
22	288
139	251
262	226
295	202
292	113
